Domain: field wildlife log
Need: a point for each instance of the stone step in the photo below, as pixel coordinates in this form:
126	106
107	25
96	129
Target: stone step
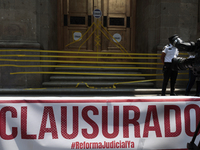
94	78
98	72
96	84
100	76
96	65
96	68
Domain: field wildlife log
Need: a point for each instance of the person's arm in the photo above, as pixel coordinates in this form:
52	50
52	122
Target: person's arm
177	53
162	57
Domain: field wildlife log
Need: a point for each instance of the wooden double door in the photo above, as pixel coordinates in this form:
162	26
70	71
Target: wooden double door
76	19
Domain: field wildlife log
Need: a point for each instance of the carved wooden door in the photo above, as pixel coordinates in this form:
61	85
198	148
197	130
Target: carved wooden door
80	30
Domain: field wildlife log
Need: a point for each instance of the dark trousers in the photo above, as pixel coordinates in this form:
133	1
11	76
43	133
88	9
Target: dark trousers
191	82
168	73
192	79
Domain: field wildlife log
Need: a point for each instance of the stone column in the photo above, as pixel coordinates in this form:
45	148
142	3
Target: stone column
18	28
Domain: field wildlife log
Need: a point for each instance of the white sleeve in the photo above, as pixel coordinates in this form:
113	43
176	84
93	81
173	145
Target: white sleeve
164	50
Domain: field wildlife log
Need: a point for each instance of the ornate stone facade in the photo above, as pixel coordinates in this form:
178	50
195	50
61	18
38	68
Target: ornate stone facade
32	24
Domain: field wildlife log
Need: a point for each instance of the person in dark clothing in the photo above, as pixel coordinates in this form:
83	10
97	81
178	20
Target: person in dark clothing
169	52
192	79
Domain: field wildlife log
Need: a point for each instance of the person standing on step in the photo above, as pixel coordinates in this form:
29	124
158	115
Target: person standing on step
169	52
192	79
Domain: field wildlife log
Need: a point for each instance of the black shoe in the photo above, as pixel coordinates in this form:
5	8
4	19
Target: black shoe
162	94
187	93
173	94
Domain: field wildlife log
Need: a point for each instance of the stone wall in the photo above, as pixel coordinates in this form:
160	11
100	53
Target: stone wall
18	24
26	24
47	29
180	17
47	24
159	19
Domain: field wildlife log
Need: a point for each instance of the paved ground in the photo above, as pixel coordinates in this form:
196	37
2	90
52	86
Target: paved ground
88	92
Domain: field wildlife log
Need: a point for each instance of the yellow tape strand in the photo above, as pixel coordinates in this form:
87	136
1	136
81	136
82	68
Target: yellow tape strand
113	87
55	56
138	81
81	62
91	87
63	66
72	52
129	82
76	52
76	73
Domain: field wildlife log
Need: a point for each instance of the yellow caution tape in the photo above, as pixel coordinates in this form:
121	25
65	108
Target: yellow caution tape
76	73
73	52
91	57
63	66
91	87
113	87
138	81
77	52
81	62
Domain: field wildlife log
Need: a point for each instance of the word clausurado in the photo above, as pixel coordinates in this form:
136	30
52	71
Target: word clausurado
90	121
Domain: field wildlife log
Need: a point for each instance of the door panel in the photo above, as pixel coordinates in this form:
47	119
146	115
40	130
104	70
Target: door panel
118	22
76	6
117	7
76	19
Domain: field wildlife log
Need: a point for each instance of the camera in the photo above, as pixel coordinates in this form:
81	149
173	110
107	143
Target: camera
193	48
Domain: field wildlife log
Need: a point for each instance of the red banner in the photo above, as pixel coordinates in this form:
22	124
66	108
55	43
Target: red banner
98	123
